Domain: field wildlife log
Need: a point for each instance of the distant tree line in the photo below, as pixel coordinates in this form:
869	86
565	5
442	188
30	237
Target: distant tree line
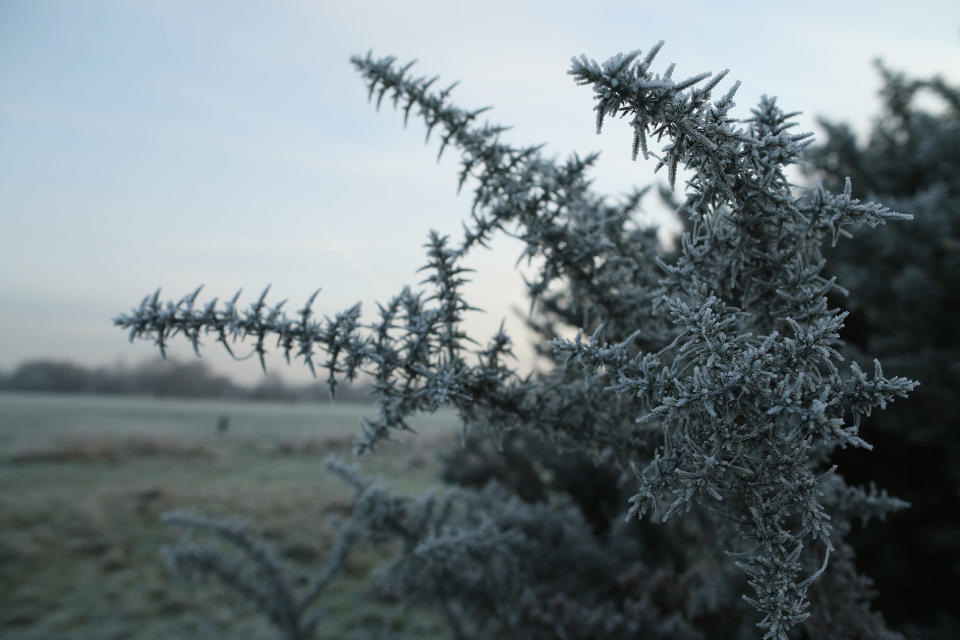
163	378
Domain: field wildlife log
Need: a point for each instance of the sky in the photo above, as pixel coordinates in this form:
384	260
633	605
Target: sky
176	143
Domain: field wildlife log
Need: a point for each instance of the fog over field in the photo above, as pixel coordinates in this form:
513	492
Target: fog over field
85	479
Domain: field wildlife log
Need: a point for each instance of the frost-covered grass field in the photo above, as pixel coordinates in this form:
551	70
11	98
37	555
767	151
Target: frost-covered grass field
84	480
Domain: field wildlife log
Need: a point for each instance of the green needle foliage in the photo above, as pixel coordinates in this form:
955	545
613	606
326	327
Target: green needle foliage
709	385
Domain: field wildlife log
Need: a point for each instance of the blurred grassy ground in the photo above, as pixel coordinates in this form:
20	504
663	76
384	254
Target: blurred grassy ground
84	480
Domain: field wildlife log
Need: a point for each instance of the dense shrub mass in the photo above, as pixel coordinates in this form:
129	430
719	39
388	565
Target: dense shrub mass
904	301
703	397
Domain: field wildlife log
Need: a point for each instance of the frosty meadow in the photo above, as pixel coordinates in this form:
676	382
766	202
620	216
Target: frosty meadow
704	389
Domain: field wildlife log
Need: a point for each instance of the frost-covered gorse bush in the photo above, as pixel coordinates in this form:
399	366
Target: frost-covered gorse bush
707	379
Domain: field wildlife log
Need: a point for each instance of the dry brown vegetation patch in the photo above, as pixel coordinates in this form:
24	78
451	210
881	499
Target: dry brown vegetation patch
111	448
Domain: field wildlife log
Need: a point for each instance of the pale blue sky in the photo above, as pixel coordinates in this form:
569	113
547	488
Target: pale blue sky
170	143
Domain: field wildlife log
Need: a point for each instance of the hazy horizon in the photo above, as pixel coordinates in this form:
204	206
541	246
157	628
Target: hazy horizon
169	144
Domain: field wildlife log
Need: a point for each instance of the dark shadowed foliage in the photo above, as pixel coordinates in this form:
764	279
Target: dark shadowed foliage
904	305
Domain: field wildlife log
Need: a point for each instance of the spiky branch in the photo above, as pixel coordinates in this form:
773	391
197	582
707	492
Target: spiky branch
712	371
